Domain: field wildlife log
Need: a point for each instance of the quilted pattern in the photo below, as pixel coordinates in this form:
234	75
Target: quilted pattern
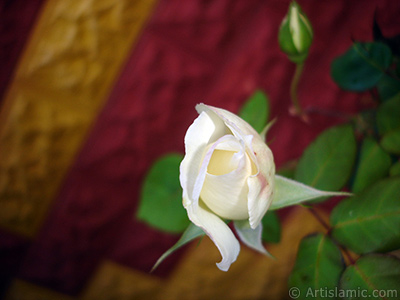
64	77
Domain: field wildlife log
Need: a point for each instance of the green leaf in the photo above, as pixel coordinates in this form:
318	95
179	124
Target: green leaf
362	66
318	267
191	232
388	87
374	164
290	192
370	221
391	141
373	276
395	169
327	163
271	228
161	199
256	110
388	115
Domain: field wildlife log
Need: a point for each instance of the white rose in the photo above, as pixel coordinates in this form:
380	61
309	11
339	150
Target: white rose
227	174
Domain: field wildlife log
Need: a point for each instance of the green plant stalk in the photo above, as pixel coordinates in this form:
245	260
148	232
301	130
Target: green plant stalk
329	229
294	86
319	219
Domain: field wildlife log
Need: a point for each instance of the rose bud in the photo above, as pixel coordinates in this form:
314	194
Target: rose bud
227	174
295	34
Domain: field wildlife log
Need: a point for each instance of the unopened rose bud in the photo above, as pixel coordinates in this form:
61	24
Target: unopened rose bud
228	173
295	34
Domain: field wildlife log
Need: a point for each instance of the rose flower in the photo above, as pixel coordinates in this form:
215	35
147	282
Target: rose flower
227	174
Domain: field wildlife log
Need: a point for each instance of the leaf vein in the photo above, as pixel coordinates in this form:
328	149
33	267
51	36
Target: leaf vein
367	218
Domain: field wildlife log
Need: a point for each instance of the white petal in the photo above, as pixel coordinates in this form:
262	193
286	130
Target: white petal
215	125
202	171
220	128
218	232
294	23
226	193
196	140
235	123
251	237
261	184
192	174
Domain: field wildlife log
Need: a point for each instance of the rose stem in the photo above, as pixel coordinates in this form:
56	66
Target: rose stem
294	86
329	229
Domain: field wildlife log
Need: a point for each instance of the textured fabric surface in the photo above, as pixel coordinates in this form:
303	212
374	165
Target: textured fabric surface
95	91
17	18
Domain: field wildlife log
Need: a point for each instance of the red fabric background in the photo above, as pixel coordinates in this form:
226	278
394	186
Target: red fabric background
216	52
16	20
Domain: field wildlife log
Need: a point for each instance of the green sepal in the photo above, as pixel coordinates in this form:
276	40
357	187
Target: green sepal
289	192
192	232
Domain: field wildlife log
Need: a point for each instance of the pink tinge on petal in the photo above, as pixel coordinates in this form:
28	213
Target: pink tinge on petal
222	126
261	184
260	198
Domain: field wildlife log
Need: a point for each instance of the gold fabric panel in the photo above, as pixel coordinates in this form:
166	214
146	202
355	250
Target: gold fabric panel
196	277
21	290
113	281
252	276
64	77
